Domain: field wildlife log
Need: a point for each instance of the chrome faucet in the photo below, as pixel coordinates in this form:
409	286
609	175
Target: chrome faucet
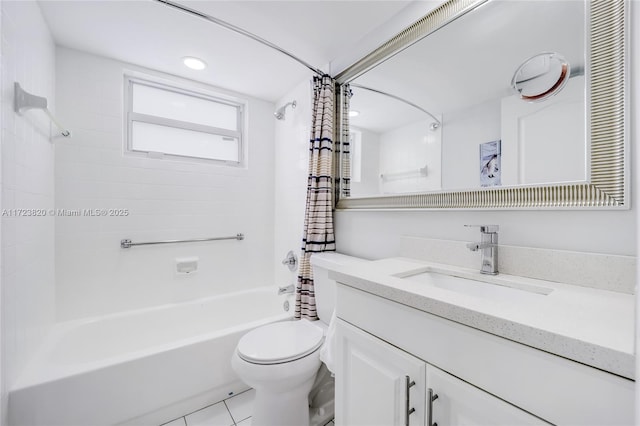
291	261
289	289
489	248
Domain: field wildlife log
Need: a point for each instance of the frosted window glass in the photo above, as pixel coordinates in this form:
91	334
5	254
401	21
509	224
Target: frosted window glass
170	140
177	106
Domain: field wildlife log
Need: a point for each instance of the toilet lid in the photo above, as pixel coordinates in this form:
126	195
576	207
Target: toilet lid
280	342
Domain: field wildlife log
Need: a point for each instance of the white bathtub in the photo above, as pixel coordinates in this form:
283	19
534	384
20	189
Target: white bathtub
141	367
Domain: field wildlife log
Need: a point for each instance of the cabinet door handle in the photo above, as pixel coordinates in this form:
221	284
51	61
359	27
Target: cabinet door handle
430	398
408	410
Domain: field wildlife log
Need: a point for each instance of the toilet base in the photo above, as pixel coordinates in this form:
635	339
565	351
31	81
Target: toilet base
282	408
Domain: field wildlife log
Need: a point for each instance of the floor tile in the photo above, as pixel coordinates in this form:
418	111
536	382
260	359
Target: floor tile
176	422
240	406
245	422
213	415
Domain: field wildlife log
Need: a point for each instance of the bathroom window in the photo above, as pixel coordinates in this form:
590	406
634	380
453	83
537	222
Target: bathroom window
169	121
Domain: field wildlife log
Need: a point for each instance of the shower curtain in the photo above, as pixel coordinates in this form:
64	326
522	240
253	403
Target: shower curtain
318	221
343	149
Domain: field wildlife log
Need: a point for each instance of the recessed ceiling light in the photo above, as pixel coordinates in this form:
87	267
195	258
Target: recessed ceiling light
354	113
194	63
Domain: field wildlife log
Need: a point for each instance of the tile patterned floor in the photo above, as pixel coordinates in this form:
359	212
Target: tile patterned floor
234	411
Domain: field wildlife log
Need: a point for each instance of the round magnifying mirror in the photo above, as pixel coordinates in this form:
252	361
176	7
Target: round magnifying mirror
541	76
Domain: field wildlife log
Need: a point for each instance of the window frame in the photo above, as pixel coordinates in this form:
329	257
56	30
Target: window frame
131	116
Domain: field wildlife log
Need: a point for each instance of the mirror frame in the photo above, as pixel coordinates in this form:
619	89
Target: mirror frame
607	169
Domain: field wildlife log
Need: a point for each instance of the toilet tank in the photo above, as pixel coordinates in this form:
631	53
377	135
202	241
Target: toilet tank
325	288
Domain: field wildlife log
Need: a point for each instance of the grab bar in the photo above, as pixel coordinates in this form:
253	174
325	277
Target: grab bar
126	243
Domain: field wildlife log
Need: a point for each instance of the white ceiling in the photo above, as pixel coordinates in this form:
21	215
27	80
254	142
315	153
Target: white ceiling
153	35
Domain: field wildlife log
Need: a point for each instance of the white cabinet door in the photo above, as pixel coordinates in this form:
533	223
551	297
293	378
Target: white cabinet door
372	381
459	403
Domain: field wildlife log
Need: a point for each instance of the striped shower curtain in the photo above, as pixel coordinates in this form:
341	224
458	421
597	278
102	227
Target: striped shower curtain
318	221
344	148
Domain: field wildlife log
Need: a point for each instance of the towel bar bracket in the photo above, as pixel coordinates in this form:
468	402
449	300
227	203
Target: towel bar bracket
23	101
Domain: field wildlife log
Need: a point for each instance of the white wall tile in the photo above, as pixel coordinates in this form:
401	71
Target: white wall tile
27	162
291	171
166	200
464	131
409	149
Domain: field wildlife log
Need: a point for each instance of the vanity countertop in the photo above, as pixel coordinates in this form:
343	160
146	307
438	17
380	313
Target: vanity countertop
591	326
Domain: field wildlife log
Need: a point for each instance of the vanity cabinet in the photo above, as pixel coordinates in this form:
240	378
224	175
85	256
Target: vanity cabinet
456	403
382	346
379	384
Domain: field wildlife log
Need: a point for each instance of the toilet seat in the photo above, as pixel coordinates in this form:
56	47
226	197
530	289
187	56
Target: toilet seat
280	342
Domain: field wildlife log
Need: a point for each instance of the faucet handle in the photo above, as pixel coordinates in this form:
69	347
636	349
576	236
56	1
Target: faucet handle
486	229
291	261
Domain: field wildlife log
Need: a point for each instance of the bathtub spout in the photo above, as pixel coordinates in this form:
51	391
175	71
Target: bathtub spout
290	289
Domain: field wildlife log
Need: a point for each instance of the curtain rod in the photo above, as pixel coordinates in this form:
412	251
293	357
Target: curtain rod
433	125
241	31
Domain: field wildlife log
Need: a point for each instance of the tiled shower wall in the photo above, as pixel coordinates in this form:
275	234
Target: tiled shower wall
165	200
291	171
28	57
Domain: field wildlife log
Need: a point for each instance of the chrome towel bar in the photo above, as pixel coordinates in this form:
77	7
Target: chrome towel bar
421	172
126	243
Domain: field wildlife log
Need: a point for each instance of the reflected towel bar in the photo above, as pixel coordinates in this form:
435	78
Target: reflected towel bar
421	172
126	243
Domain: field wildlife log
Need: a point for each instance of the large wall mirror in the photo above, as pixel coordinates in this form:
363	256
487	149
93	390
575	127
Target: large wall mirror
490	104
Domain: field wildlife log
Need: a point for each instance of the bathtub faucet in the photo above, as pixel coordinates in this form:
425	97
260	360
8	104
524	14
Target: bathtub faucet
290	289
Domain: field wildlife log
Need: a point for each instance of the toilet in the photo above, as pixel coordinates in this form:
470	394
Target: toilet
281	360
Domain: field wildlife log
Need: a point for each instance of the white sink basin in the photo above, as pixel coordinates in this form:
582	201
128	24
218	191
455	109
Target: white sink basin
494	287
